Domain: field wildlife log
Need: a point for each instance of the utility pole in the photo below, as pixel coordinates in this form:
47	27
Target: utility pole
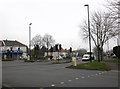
89	31
30	40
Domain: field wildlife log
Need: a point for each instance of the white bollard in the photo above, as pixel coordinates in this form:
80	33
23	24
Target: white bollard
74	61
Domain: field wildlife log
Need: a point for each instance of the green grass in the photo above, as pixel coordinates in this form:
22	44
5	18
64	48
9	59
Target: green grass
29	61
7	60
113	61
92	66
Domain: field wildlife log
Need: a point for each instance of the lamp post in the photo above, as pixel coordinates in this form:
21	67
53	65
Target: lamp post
30	40
89	31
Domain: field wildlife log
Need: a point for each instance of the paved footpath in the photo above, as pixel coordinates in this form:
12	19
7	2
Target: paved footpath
41	74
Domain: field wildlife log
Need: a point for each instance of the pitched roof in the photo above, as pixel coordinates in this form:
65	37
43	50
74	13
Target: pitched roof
1	43
64	50
12	43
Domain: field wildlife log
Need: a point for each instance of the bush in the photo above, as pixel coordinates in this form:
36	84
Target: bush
116	51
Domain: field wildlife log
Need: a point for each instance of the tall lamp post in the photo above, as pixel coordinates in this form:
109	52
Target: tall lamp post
30	40
89	30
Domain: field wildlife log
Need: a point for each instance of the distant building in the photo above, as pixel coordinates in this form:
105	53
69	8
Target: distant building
12	49
75	53
62	52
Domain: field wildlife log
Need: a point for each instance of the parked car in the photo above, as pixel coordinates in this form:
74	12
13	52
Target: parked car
114	56
23	57
86	57
59	58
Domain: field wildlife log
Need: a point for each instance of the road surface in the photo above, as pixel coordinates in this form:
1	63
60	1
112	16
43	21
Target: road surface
44	74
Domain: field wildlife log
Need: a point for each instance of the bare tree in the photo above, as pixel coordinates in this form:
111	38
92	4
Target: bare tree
102	28
114	8
81	52
37	40
48	41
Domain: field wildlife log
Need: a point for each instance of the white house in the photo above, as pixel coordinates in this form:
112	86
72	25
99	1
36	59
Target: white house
62	52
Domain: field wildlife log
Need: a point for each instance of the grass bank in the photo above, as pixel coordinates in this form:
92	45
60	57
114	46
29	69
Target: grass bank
113	61
91	66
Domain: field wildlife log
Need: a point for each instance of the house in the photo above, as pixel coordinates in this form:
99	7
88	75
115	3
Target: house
75	53
12	49
63	52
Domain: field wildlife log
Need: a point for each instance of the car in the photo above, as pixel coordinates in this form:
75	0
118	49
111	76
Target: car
86	57
59	58
114	56
23	57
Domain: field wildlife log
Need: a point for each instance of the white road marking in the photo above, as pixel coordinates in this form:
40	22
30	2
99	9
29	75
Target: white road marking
96	74
82	77
53	85
69	80
88	76
99	73
61	82
76	78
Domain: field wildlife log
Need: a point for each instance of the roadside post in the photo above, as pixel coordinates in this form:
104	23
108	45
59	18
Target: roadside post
5	57
28	57
55	59
74	63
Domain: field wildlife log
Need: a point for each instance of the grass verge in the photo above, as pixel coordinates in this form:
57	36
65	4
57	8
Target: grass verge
7	60
113	61
29	61
56	62
91	66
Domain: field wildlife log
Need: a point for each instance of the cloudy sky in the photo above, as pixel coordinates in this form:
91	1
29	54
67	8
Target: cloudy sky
59	18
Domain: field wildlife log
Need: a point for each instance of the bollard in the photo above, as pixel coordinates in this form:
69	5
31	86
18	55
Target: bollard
55	59
5	57
74	61
28	57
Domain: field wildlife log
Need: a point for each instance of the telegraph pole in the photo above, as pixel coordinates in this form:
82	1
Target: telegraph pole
89	31
30	40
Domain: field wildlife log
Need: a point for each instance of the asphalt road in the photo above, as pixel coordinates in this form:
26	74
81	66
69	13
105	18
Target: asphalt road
44	74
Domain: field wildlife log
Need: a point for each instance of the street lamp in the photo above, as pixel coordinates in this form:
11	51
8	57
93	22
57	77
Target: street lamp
89	31
30	39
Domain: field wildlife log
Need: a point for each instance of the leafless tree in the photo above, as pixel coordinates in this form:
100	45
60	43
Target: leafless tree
114	8
37	40
102	29
48	41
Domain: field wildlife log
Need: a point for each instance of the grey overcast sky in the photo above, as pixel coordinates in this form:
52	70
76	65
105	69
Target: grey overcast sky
59	18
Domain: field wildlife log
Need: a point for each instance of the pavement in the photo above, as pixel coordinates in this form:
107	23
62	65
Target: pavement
45	74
